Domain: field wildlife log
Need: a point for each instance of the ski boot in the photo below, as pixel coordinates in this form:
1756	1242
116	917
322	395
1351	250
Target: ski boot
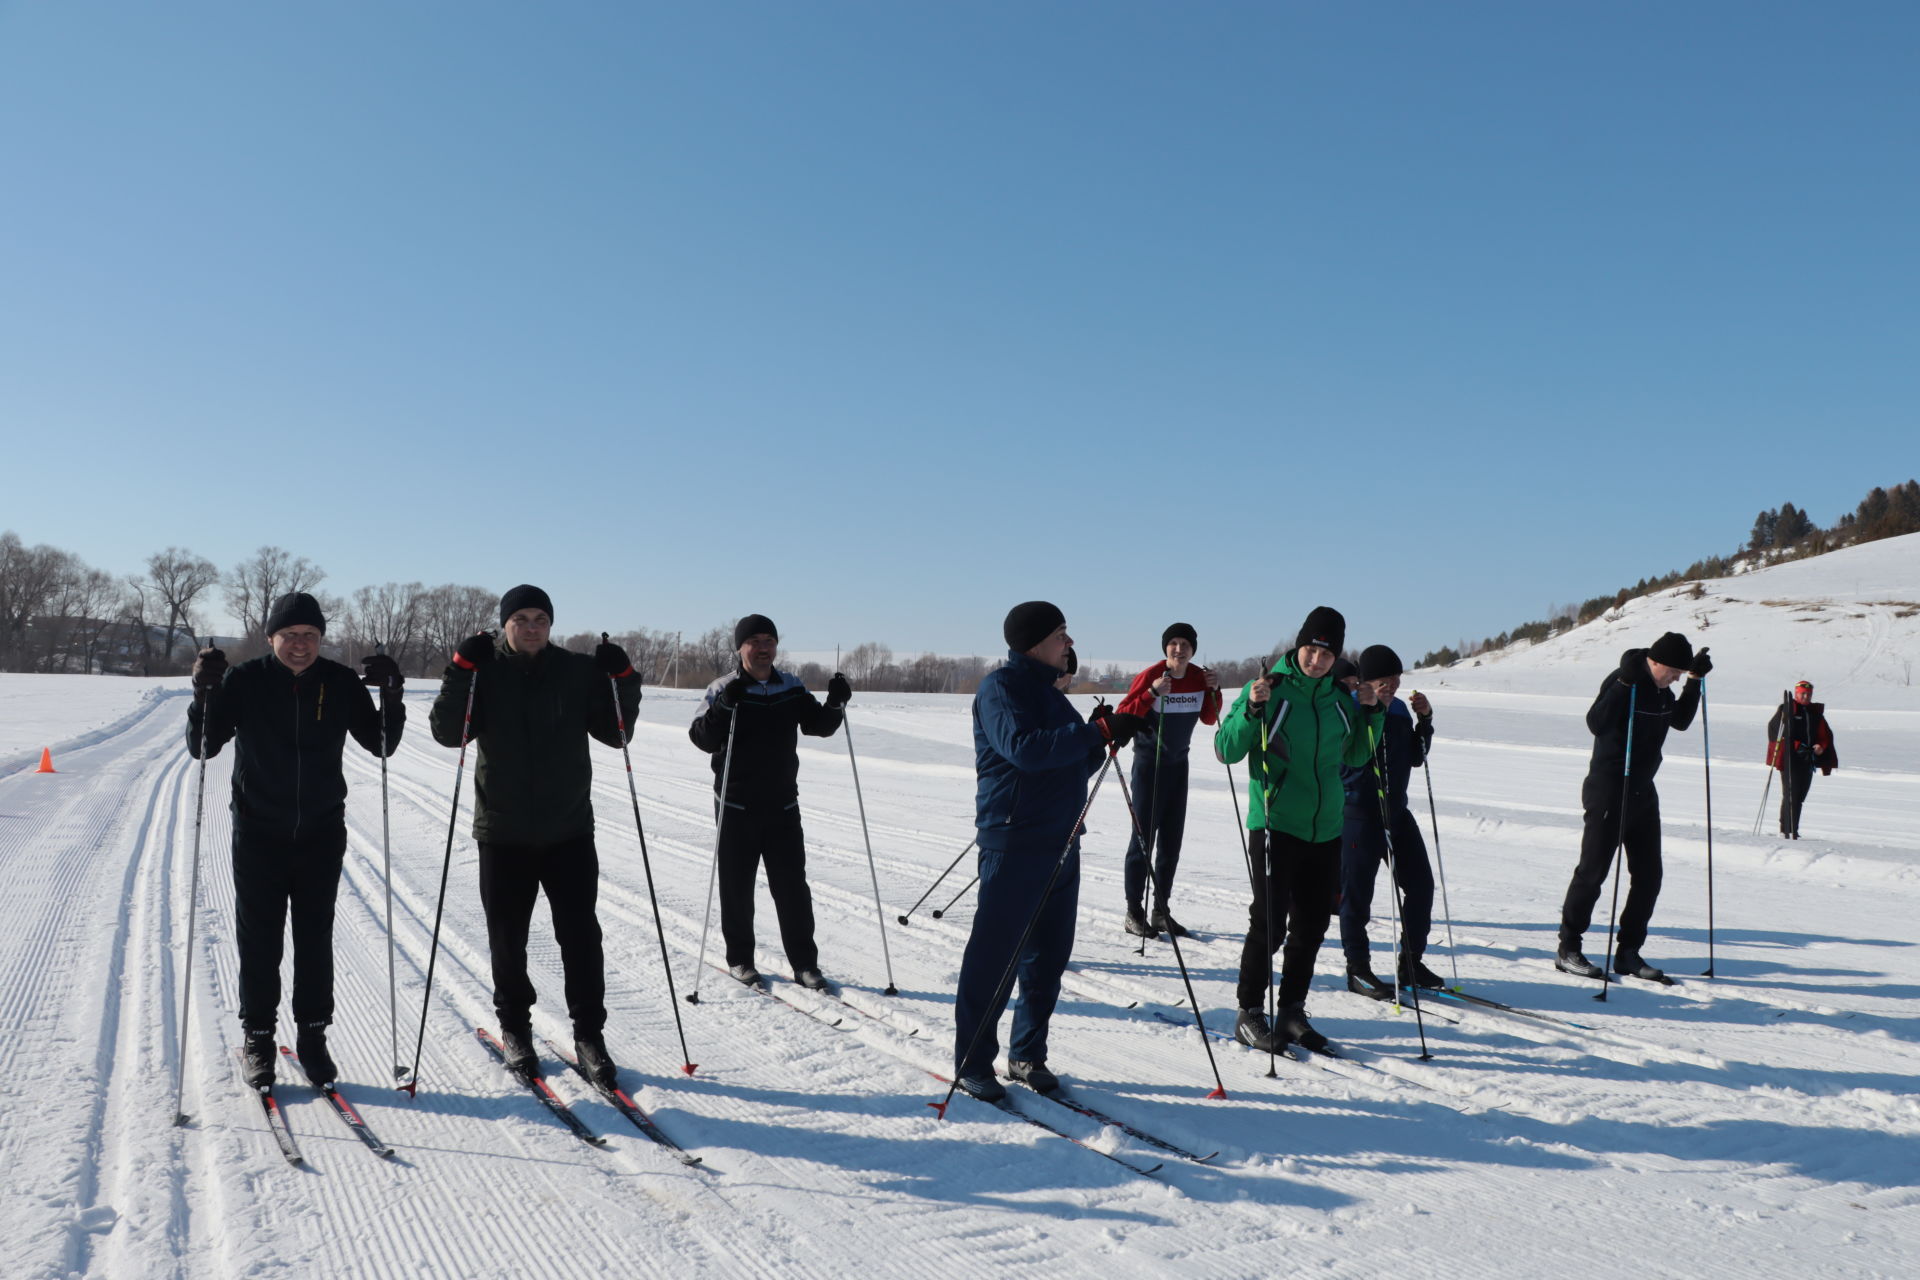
311	1045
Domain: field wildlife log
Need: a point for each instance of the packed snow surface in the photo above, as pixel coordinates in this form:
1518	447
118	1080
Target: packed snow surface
1762	1122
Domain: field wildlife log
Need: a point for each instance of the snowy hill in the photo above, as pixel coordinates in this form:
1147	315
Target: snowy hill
1759	1123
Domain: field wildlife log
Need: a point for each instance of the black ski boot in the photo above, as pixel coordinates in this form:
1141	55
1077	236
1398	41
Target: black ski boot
518	1043
311	1045
811	979
1293	1025
1251	1030
745	974
981	1085
591	1051
1163	921
1569	960
1418	975
1137	924
257	1056
1628	965
1364	982
1034	1075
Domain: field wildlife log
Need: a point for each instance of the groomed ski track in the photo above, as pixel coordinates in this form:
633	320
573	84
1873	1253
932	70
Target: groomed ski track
1762	1123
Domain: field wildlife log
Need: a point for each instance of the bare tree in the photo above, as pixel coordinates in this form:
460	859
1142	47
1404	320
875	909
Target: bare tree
448	615
253	585
391	614
714	652
863	662
79	617
179	577
29	579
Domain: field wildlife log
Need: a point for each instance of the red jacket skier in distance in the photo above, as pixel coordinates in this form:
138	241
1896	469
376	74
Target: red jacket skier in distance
1187	695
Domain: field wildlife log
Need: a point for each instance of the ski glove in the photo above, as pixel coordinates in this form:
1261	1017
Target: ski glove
839	692
736	690
382	672
612	659
475	651
208	669
1118	726
1701	665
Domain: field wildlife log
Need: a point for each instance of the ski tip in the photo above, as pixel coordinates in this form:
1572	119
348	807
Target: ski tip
689	1067
1217	1095
939	1110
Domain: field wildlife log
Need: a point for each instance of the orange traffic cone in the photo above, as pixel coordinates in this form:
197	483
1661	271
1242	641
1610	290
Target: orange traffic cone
46	761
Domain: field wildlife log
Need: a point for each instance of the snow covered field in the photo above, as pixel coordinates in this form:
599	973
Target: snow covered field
1762	1123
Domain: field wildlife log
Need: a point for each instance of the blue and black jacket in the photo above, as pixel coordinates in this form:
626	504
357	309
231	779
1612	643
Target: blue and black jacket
1032	754
1402	748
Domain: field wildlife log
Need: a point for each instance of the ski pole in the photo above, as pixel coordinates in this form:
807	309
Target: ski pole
193	916
1393	896
713	876
1026	936
1440	866
1266	870
386	872
687	1064
412	1085
1706	758
936	882
956	897
1620	847
1767	788
1193	1001
1153	832
880	912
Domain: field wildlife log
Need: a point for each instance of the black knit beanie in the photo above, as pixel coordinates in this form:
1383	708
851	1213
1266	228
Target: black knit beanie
1179	631
1073	662
524	597
1672	650
1342	670
1377	662
296	609
754	624
1029	623
1324	627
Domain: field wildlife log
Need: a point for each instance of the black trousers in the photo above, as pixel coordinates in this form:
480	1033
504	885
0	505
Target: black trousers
511	877
1301	878
274	877
1795	782
749	837
1601	798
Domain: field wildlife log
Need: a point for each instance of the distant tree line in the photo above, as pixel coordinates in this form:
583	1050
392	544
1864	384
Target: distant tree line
1779	534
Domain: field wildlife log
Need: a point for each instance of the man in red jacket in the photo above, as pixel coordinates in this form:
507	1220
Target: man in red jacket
1798	742
1171	697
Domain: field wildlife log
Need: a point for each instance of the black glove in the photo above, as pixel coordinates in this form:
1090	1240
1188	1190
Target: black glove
736	690
612	659
381	671
475	651
208	669
1118	726
839	692
1701	665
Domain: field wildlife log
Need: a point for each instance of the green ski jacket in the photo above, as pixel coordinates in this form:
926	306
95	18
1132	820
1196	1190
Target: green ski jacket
1311	729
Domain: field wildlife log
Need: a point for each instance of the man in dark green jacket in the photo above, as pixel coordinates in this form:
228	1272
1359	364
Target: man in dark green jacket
533	709
1299	729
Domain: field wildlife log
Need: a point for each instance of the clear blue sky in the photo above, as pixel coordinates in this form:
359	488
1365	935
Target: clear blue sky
879	317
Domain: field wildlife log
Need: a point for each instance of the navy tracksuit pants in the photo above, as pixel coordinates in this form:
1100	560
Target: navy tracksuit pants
1363	847
1163	816
1012	885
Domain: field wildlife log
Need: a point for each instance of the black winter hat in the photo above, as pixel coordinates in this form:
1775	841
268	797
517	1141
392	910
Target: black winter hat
1073	662
1029	623
1342	670
1377	662
524	597
295	609
1325	627
1672	650
754	624
1179	631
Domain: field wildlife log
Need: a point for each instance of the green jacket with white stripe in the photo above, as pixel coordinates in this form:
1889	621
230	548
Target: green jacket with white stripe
1311	728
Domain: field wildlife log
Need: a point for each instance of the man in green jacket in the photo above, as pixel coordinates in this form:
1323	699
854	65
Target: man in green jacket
533	709
1299	728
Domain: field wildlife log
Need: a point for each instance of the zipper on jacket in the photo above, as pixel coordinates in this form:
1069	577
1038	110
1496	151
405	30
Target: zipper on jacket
297	770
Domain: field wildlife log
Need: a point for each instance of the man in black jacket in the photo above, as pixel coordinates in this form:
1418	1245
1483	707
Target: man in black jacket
1635	707
290	712
533	709
764	710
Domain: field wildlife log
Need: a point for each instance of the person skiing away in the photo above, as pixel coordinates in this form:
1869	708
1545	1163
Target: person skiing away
1033	755
1170	696
1406	739
1636	705
765	710
289	713
1300	728
1799	741
534	707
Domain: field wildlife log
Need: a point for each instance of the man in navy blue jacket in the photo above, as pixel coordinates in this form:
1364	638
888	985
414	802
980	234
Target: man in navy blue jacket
1403	746
1033	755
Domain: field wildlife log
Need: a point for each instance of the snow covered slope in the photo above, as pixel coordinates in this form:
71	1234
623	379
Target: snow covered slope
1761	1123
